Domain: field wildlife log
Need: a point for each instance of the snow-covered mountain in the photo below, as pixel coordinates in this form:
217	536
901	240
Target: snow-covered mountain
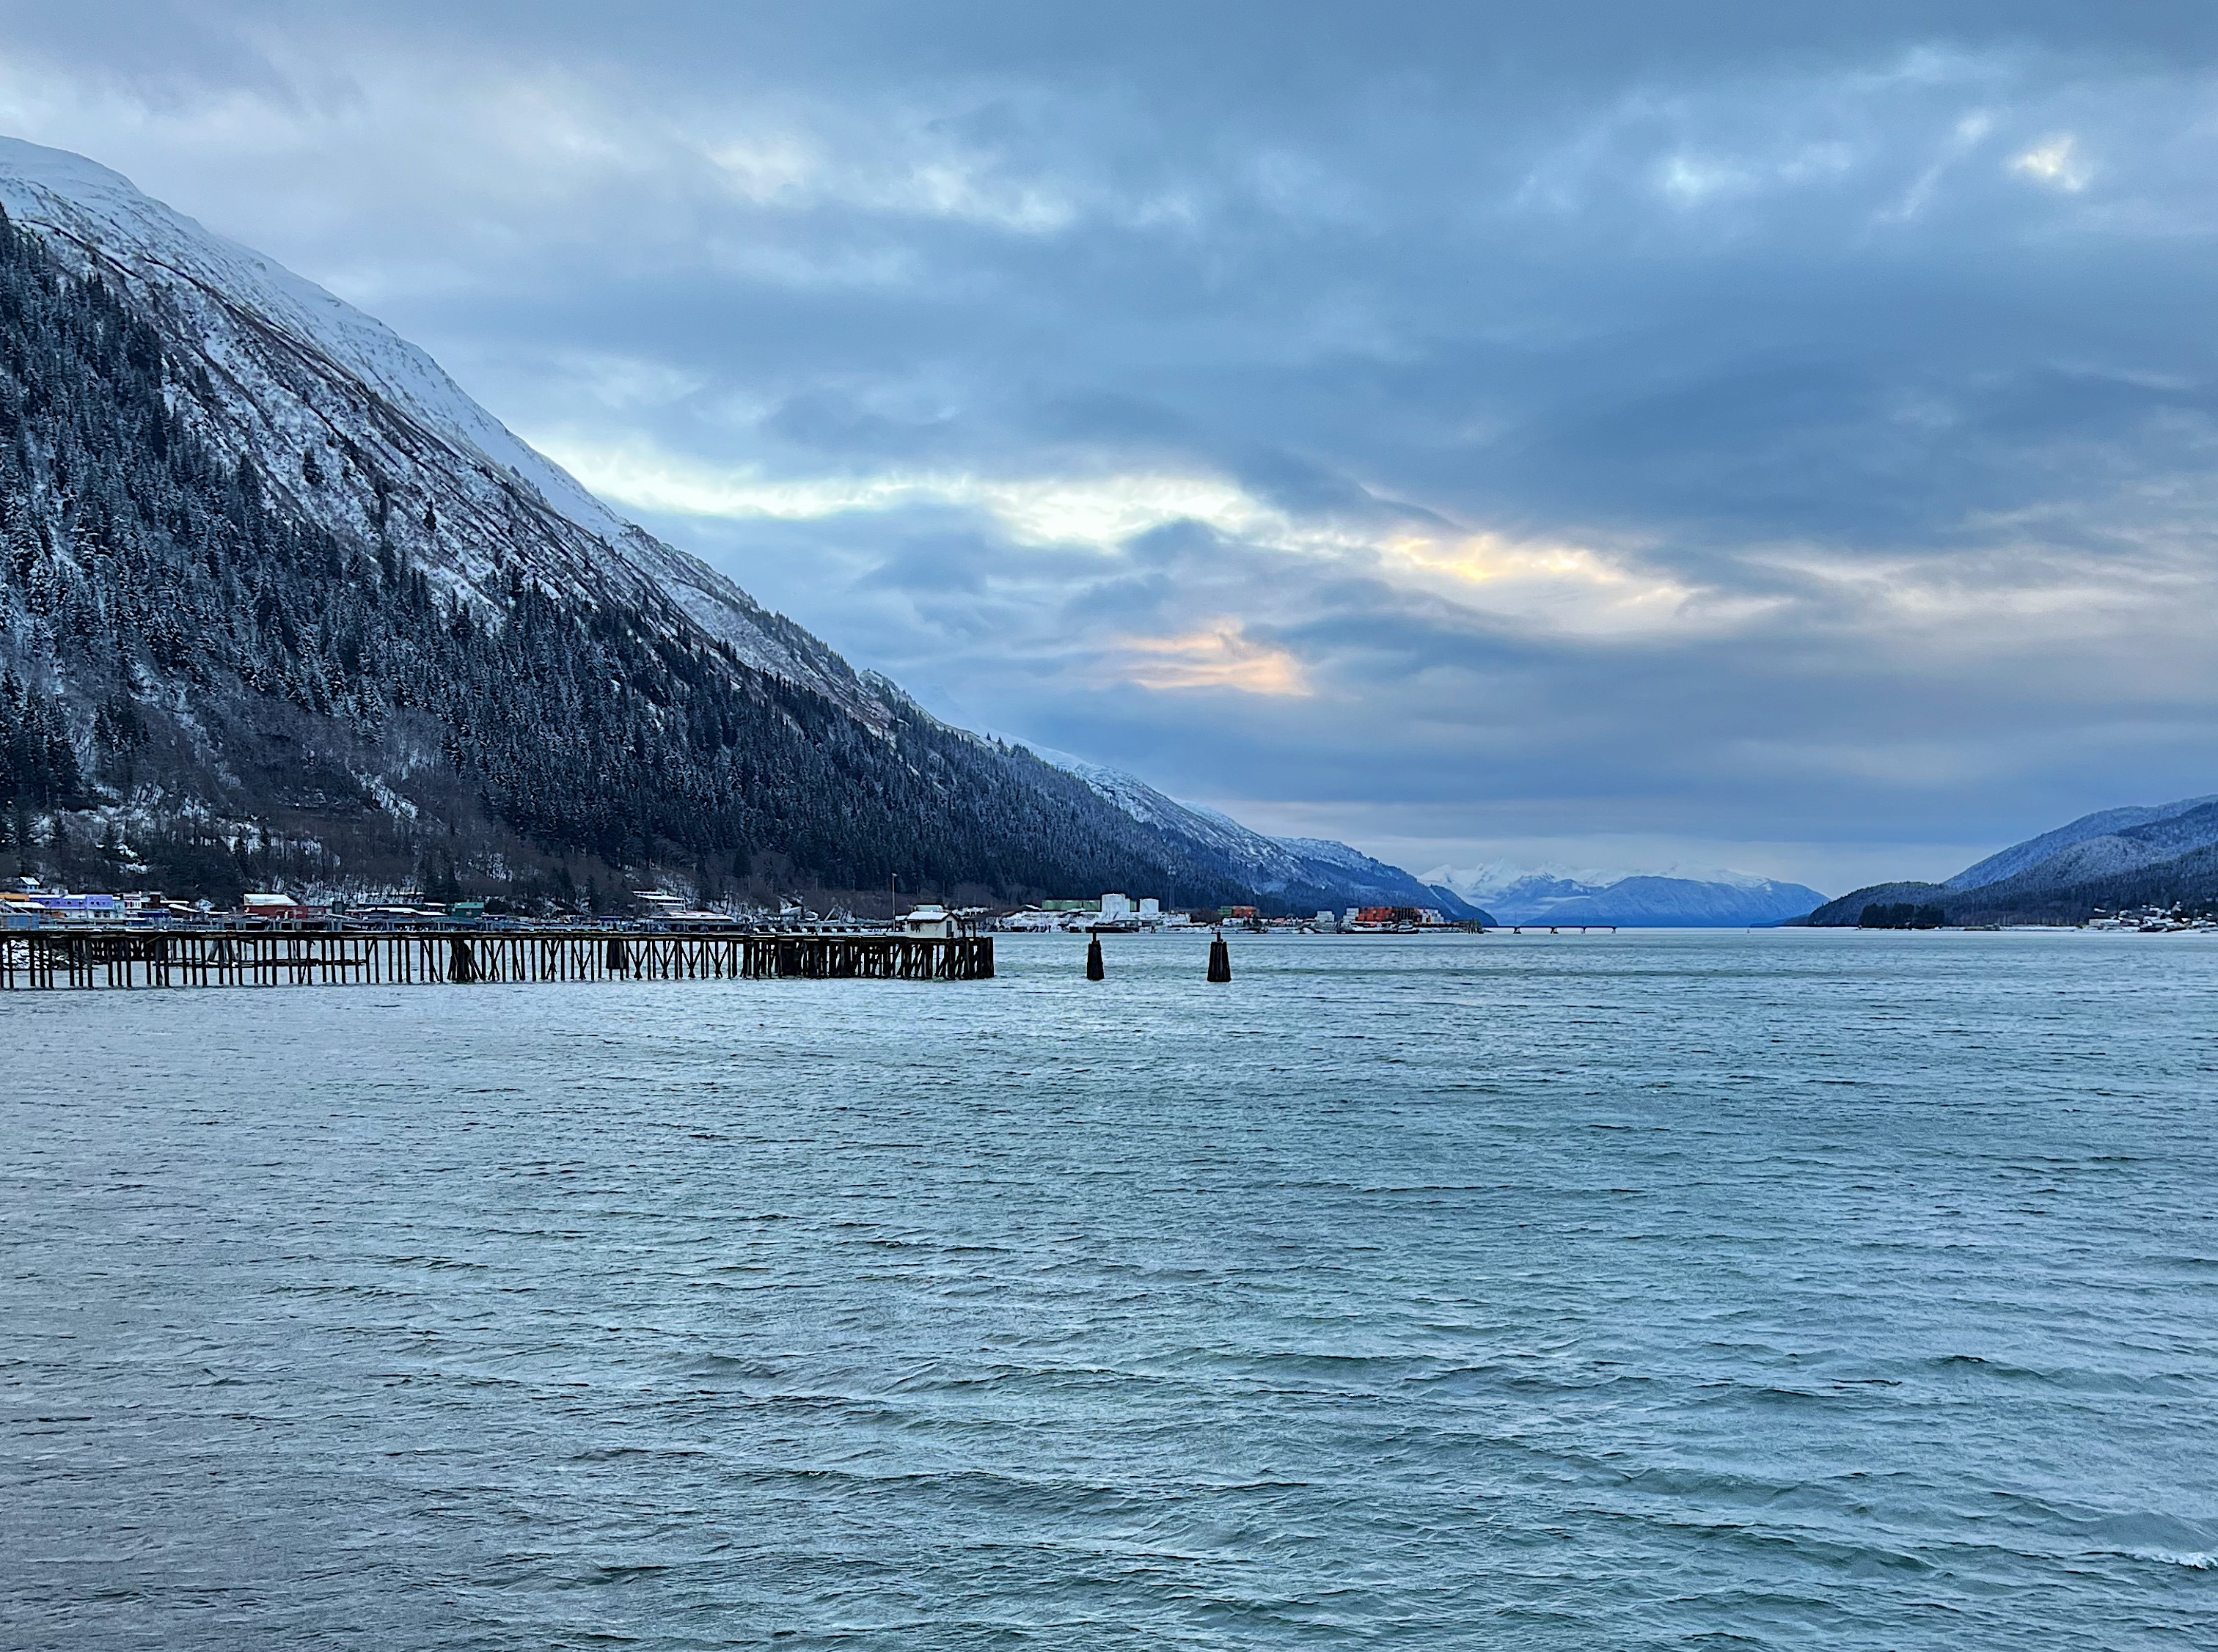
362	431
1515	894
2097	845
1300	871
291	583
2111	859
273	586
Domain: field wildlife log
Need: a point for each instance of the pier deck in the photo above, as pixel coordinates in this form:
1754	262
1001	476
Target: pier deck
105	957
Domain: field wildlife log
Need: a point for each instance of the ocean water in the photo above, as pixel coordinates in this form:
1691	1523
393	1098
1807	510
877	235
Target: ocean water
1834	1289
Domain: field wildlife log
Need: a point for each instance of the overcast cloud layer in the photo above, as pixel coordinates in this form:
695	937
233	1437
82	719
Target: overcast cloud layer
1715	438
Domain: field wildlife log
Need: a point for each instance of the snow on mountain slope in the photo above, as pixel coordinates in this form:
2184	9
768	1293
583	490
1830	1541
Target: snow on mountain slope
1496	877
2114	857
2176	831
1317	866
1333	866
1329	851
362	430
1552	895
2104	857
1255	855
2130	840
2103	823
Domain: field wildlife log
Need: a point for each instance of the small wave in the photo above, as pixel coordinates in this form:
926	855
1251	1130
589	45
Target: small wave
1969	1363
2193	1563
714	1364
601	1576
2068	1378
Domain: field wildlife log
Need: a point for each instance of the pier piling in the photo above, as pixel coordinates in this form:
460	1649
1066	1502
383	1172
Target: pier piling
1220	960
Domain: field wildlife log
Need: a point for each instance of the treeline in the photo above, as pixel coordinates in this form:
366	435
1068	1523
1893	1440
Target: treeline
1894	915
176	638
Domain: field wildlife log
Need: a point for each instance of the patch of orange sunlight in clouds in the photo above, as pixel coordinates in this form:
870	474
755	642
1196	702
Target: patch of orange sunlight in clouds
1482	557
1218	656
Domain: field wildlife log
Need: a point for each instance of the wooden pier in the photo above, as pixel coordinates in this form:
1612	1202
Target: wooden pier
106	957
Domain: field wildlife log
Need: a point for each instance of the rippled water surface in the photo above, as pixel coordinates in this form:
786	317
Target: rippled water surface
1774	1291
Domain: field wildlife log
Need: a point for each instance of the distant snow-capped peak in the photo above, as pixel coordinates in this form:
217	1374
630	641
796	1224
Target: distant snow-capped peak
1676	897
1492	878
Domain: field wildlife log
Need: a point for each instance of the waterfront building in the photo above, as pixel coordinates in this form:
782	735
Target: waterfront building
277	906
46	906
930	922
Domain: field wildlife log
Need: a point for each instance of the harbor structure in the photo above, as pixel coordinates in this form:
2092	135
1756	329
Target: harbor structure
108	955
278	907
1112	913
930	921
37	908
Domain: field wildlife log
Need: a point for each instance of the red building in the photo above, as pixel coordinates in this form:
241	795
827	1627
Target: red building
279	907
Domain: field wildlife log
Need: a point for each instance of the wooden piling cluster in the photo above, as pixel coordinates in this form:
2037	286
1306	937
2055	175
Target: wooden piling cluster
120	958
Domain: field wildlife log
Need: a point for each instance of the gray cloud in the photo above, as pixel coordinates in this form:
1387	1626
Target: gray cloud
1724	426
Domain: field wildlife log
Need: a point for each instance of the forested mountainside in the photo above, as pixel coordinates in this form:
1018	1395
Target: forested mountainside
1302	874
2114	860
2111	827
205	683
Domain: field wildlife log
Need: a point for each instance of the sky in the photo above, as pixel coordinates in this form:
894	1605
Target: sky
1610	436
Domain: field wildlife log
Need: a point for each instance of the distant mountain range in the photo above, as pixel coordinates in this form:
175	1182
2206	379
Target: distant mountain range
2112	859
1629	902
1633	900
281	605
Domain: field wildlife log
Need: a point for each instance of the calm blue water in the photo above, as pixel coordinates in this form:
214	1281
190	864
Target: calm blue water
1775	1290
